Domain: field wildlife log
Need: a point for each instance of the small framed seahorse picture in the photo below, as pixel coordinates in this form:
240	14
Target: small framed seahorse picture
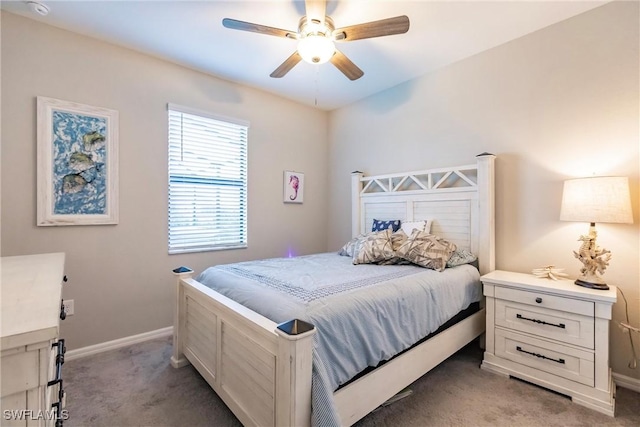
293	187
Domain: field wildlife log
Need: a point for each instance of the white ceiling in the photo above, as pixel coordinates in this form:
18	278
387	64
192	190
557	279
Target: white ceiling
191	33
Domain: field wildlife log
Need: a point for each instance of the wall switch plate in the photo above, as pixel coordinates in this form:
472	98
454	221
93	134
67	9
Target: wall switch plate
68	307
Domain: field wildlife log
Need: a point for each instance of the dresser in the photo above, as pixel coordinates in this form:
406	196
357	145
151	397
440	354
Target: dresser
551	333
32	353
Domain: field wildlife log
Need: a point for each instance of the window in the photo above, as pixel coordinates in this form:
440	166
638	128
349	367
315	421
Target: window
207	181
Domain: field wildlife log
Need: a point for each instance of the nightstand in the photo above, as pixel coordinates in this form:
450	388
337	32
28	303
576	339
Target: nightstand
551	333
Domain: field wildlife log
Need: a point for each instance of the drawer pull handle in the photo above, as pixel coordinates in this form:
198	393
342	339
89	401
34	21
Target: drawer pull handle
58	406
542	322
59	362
539	300
541	356
58	380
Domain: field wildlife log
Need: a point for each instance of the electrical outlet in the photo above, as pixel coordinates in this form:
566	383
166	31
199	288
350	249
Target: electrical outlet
68	307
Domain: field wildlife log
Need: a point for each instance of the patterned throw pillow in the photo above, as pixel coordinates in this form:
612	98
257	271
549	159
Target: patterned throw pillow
397	239
379	225
427	250
460	257
409	226
347	249
373	248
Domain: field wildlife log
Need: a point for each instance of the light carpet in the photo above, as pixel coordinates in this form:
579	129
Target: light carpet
136	386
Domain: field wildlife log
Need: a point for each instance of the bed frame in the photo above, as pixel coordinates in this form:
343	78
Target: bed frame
262	370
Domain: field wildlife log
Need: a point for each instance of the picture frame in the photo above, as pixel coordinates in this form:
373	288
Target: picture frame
293	184
77	163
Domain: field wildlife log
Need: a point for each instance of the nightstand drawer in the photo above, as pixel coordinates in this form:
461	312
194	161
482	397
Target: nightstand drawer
552	324
537	299
572	364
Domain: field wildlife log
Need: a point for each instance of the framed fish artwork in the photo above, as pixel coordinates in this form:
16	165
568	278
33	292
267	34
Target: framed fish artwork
77	164
293	187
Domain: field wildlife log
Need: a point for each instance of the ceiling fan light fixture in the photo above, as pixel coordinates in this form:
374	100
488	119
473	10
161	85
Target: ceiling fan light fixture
316	36
316	49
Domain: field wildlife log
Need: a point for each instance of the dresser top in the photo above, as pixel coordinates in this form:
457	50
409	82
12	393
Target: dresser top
561	287
31	292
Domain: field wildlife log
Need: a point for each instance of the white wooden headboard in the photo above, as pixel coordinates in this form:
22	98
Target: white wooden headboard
459	200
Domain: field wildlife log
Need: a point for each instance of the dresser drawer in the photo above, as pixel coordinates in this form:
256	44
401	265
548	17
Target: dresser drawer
19	371
551	324
538	299
562	361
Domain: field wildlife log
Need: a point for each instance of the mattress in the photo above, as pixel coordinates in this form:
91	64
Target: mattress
364	314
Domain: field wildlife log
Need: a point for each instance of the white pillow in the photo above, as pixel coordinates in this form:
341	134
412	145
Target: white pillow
409	226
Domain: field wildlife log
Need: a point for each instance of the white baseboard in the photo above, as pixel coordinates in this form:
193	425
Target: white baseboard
626	382
119	343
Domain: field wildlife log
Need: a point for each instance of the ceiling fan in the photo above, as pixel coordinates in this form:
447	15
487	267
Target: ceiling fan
316	36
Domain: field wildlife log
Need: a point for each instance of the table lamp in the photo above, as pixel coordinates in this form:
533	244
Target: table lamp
596	199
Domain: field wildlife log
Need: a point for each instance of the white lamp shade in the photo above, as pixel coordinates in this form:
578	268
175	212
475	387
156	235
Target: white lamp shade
597	199
316	49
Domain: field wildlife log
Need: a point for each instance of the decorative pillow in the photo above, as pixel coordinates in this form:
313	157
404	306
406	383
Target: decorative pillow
427	250
379	225
397	239
373	248
460	257
409	226
347	249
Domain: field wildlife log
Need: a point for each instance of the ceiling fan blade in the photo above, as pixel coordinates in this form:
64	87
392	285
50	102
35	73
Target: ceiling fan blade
234	24
316	10
384	27
345	65
287	65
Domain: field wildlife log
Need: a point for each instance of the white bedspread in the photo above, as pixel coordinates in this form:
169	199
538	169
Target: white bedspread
364	314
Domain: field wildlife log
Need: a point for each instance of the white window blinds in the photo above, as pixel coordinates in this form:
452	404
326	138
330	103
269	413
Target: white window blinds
207	181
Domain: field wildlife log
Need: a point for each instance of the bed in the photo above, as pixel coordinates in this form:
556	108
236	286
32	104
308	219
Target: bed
265	366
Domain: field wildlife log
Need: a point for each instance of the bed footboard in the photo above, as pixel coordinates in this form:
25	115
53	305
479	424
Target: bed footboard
261	370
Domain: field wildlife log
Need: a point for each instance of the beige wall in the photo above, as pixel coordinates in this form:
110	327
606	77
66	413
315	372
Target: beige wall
0	133
562	102
120	276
